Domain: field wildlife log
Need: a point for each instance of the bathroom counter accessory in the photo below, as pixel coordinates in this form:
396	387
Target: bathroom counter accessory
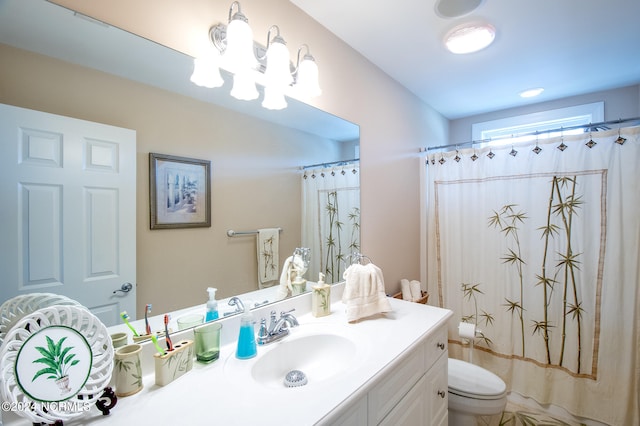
239	400
424	299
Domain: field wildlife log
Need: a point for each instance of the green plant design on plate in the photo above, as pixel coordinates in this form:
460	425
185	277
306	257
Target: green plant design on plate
58	361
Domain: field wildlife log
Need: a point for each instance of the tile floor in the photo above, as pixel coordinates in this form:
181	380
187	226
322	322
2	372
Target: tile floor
515	415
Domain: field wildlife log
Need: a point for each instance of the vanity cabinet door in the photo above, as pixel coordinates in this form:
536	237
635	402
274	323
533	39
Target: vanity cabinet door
395	385
356	415
437	393
412	409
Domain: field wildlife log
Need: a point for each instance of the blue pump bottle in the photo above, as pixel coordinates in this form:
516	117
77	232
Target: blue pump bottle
212	305
247	339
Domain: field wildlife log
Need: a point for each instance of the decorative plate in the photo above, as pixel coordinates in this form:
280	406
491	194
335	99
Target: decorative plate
14	309
55	363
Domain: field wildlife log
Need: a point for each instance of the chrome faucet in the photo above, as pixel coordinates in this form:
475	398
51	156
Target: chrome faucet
278	328
235	301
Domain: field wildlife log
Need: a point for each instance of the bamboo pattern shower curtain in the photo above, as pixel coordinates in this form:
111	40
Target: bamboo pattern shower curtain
538	246
331	219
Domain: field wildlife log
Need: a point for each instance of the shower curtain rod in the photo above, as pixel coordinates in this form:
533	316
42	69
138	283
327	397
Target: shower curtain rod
333	163
591	126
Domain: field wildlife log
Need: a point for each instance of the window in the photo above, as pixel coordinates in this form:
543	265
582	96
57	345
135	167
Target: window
507	130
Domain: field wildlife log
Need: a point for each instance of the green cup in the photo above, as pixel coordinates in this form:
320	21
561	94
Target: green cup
188	321
207	340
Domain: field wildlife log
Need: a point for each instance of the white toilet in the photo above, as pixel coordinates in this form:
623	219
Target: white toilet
473	392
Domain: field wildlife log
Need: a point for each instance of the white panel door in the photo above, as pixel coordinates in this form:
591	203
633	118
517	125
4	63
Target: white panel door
67	214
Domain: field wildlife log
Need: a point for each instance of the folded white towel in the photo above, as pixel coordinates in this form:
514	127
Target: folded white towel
416	290
405	287
364	293
267	243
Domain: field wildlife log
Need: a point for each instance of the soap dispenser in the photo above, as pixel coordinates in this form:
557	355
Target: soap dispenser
299	285
321	298
212	305
247	339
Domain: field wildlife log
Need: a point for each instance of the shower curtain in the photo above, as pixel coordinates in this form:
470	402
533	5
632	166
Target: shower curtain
330	219
538	246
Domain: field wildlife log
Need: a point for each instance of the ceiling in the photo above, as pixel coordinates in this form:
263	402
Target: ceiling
567	47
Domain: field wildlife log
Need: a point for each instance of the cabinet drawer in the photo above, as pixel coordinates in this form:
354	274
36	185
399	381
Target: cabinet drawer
395	385
435	346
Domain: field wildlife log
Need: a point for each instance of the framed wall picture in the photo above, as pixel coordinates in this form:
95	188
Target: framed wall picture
179	192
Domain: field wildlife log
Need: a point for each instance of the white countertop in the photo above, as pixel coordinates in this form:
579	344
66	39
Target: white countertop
209	394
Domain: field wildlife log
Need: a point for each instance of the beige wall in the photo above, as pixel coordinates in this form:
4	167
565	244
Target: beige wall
394	124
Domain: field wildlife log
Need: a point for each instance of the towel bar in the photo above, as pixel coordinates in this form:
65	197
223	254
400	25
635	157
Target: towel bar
232	233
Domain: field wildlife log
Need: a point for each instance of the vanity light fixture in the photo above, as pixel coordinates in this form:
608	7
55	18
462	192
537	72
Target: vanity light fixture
206	69
251	63
306	73
469	38
277	75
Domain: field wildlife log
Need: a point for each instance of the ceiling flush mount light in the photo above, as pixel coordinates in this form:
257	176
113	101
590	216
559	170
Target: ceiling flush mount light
469	38
531	92
233	49
456	8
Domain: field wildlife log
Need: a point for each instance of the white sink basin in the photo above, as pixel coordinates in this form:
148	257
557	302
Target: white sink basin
320	352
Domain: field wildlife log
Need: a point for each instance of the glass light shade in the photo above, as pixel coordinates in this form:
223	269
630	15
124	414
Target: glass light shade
206	72
278	72
244	86
307	81
470	38
273	98
531	92
239	54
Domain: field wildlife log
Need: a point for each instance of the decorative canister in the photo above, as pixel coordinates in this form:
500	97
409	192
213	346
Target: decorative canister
119	339
127	370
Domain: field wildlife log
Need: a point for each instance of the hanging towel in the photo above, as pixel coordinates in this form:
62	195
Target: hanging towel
364	293
267	251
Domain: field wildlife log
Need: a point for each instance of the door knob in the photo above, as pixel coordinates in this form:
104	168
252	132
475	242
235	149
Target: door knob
125	288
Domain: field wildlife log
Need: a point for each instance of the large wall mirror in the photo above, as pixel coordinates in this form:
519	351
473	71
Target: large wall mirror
258	158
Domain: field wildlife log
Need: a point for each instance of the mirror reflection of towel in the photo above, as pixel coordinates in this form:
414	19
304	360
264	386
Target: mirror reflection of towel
268	241
364	294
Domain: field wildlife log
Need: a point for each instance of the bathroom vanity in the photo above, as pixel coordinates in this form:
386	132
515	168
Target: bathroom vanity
389	369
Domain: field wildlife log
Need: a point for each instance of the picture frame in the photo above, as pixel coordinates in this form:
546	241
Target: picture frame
179	192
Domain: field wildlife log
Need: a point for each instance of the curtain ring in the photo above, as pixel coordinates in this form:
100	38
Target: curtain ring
620	140
537	148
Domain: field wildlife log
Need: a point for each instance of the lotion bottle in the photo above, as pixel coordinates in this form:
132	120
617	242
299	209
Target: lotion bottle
212	305
299	285
321	298
246	339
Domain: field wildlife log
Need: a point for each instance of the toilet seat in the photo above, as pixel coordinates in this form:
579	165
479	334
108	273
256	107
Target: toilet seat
471	381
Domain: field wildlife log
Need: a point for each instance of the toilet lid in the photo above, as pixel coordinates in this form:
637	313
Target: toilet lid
470	380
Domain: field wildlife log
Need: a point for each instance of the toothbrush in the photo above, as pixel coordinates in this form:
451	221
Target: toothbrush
147	311
155	342
125	318
166	333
